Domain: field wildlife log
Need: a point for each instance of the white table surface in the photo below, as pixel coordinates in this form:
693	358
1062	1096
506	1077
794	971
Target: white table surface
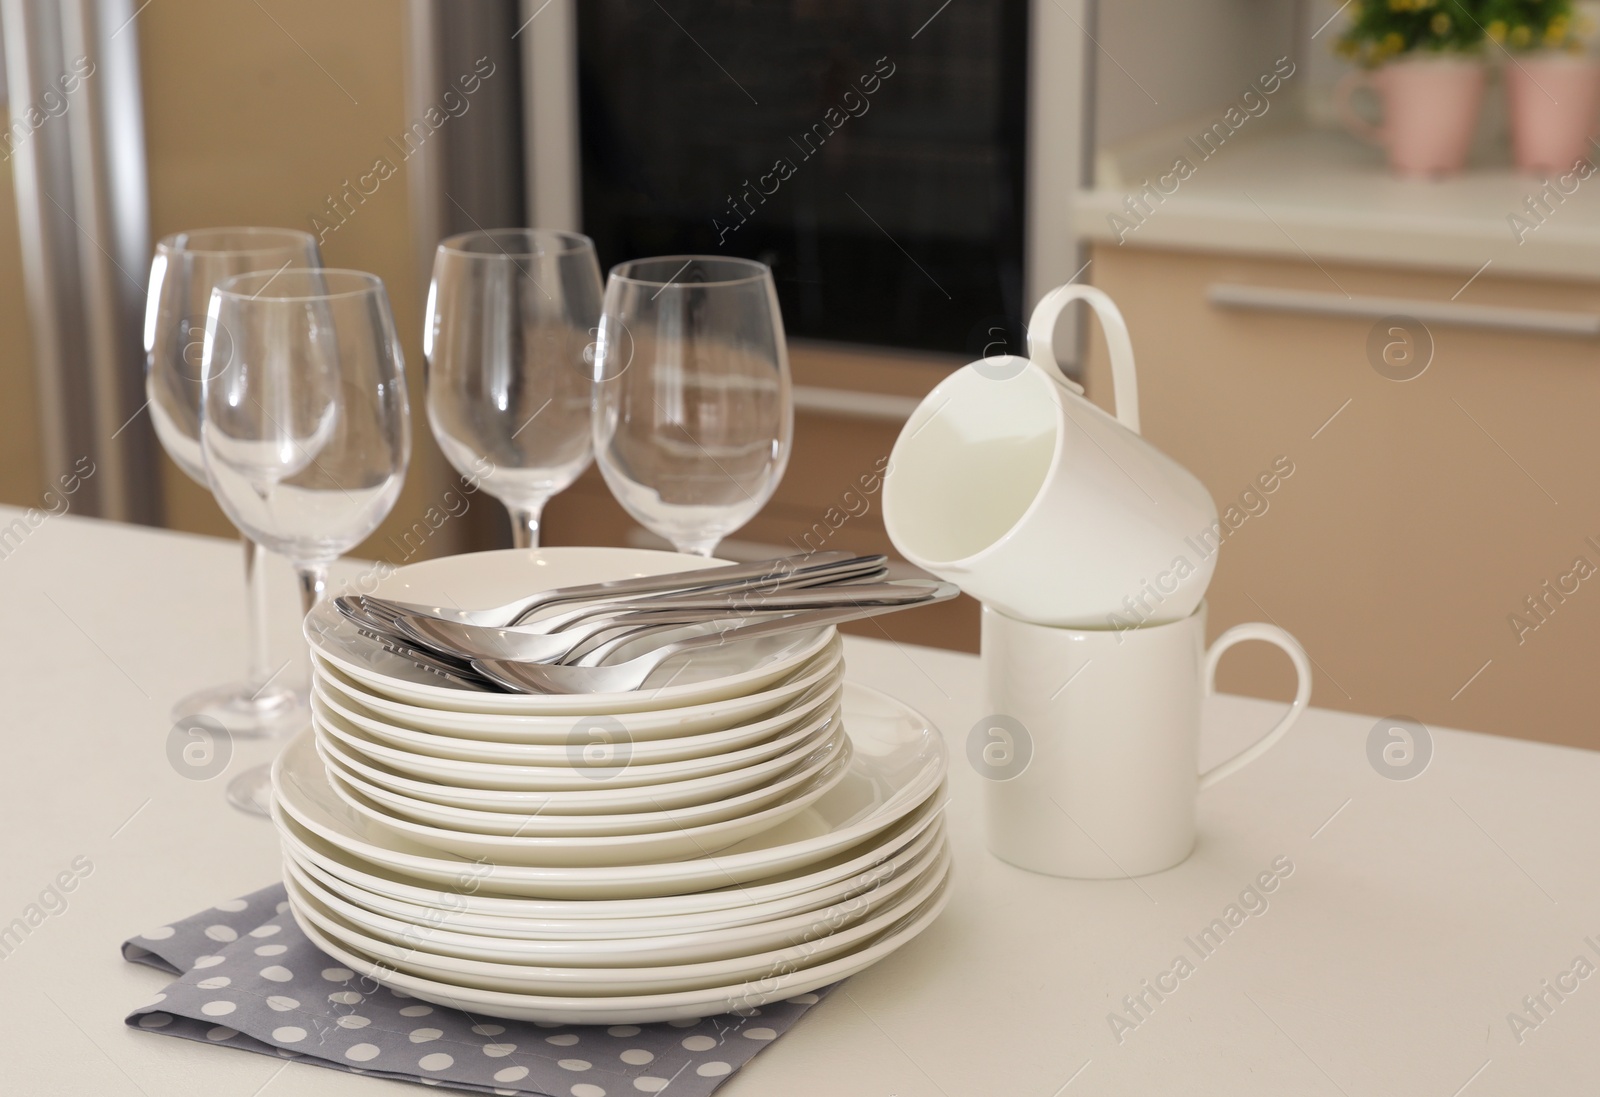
1418	915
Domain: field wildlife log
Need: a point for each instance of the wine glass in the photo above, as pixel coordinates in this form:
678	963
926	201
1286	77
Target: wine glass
510	313
693	416
305	431
186	267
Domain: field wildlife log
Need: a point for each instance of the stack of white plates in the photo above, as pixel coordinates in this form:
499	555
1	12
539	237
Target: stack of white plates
744	828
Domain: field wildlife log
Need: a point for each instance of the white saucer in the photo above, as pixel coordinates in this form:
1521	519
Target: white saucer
826	881
666	723
493	578
815	943
647	1008
899	761
636	922
542	823
819	698
824	768
610	778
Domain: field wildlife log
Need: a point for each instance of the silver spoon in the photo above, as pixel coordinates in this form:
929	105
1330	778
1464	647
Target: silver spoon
630	675
733	576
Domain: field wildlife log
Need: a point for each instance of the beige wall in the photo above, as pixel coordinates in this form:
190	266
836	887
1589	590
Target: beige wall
20	465
258	119
1419	520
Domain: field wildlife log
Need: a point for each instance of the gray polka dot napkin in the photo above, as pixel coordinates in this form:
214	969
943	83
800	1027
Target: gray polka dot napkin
252	980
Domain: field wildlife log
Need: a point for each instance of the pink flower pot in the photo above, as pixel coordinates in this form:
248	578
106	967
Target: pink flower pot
1555	107
1429	108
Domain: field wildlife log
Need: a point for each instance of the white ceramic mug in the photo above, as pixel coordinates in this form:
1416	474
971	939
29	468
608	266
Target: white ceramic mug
1008	483
1093	754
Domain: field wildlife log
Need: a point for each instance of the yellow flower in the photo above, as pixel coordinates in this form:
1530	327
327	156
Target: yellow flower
1521	36
1496	31
1392	42
1440	23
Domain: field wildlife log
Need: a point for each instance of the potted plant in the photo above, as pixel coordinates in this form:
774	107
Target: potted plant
1423	61
1552	86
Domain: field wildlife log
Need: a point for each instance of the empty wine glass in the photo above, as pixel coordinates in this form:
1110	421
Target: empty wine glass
693	416
305	430
186	267
510	313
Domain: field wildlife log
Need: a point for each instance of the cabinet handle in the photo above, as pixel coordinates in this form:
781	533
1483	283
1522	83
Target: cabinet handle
879	406
1533	321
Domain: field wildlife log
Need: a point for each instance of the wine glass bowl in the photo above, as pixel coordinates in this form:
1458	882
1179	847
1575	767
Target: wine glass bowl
306	432
186	268
694	417
509	317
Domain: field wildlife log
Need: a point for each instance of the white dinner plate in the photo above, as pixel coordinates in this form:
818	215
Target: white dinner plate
899	760
658	948
452	913
482	579
819	698
667	723
833	878
819	942
825	768
541	824
599	758
640	1009
603	790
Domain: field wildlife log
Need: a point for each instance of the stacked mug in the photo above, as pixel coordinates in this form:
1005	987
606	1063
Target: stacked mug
1091	552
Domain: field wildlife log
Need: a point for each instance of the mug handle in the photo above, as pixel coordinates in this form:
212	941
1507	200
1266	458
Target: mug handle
1272	634
1041	349
1343	102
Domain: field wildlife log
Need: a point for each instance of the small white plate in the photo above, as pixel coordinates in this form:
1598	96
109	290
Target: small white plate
819	698
825	768
452	913
899	761
667	723
602	790
659	947
641	1009
493	578
820	940
543	824
826	881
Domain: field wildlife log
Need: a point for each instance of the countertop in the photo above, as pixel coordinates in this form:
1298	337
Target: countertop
1298	191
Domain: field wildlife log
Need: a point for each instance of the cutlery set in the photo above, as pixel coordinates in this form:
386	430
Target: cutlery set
610	637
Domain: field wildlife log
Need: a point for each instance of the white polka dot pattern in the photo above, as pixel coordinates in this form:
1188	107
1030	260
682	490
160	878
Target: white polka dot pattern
255	982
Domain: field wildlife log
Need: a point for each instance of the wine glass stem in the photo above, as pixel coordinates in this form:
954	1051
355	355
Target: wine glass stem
258	666
313	582
525	524
704	547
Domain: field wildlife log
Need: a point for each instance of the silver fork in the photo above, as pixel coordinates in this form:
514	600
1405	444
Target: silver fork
630	675
557	638
789	570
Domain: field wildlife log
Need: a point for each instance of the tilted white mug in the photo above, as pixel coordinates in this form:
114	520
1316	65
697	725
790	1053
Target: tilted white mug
1092	754
1008	483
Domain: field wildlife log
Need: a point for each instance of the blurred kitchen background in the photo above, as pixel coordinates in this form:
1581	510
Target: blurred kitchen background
916	175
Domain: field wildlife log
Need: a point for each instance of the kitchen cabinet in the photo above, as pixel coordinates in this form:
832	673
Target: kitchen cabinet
1436	546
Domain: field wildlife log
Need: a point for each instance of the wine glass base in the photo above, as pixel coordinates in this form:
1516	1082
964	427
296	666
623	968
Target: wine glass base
251	791
273	712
